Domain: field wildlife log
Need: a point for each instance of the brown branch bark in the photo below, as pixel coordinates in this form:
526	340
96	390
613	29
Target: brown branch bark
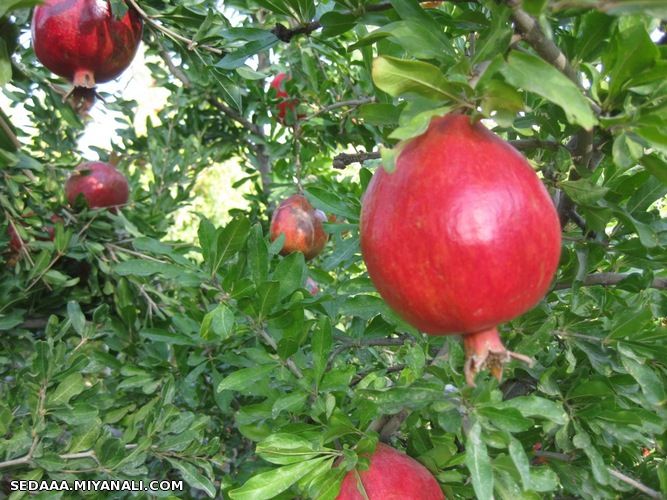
9	133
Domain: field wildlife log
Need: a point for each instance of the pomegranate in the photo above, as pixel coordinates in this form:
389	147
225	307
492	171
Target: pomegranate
302	226
391	475
83	42
16	243
312	286
286	107
99	183
460	237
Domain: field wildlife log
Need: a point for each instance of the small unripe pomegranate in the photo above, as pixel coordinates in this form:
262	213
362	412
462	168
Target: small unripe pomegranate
391	474
286	106
101	185
460	237
16	243
83	42
312	286
302	226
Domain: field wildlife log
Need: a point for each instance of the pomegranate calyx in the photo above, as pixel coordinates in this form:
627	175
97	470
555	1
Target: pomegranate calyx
84	78
485	350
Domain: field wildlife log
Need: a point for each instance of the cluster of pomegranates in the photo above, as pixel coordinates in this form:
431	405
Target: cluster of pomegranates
461	237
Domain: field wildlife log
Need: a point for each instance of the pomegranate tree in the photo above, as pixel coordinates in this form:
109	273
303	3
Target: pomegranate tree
391	474
460	237
302	226
83	42
100	184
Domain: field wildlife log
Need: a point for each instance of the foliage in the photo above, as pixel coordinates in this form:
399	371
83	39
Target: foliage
124	354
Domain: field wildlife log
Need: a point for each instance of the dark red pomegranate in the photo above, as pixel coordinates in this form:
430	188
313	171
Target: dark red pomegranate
83	42
16	243
461	236
391	475
101	185
286	107
302	226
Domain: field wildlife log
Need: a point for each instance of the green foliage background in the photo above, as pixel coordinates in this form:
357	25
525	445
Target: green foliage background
126	353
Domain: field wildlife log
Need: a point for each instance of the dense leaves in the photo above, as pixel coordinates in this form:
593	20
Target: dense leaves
128	353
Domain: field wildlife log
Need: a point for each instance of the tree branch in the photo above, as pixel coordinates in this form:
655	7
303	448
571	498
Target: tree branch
9	133
528	26
190	44
634	483
342	160
340	104
367	343
289	362
609	279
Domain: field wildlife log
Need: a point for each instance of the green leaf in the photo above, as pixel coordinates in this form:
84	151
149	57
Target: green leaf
532	73
583	191
5	64
506	419
632	52
650	383
520	460
258	255
293	402
321	344
656	166
193	477
268	296
534	406
583	441
67	389
290	273
243	378
478	463
76	317
238	58
272	483
397	77
284	449
229	241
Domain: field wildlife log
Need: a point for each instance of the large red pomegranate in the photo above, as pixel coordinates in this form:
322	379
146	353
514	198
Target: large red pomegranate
460	237
302	226
99	183
286	106
82	41
392	475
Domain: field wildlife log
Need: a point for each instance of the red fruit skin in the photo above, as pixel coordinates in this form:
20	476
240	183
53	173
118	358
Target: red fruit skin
392	475
83	42
462	235
14	240
312	286
285	106
100	184
302	226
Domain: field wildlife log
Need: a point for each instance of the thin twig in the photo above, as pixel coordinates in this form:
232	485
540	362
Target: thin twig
352	103
289	362
367	343
190	44
9	133
341	160
634	483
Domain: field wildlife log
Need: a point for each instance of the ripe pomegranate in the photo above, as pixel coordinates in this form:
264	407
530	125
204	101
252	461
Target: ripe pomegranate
286	107
99	183
83	42
391	475
302	226
15	242
460	237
